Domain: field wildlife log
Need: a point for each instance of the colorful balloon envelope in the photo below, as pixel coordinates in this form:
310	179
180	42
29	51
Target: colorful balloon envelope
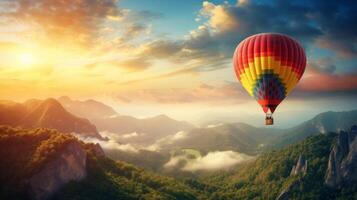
269	65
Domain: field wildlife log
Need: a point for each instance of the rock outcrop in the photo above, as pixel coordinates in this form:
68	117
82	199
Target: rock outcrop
342	164
285	194
300	167
69	164
96	149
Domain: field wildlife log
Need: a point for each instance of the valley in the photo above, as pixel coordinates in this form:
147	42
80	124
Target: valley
223	161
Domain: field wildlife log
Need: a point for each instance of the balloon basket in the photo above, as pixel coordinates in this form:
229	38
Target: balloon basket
269	119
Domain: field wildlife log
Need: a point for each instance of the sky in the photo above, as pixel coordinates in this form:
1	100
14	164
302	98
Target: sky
174	57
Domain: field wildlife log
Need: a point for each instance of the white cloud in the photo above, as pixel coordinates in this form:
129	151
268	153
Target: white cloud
214	125
174	161
242	2
153	147
130	135
111	135
110	144
180	135
216	160
219	17
113	116
168	140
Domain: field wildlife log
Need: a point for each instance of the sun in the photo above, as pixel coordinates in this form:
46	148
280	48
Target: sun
27	59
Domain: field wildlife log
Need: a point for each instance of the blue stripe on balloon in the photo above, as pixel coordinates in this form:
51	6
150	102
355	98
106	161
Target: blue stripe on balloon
269	86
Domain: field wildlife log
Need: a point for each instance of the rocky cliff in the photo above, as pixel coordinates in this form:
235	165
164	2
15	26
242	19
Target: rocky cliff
300	167
342	164
285	194
67	165
35	163
96	149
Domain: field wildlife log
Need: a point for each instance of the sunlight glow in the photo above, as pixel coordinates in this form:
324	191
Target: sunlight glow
27	59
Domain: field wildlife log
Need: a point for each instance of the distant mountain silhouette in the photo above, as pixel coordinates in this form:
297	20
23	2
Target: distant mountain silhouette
149	129
253	140
321	123
238	137
106	119
48	113
11	113
88	109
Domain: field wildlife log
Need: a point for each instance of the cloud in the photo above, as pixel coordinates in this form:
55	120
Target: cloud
123	99
322	65
110	144
328	83
145	16
321	77
226	25
134	64
335	18
168	140
75	21
214	125
346	47
133	30
180	135
130	135
216	160
177	72
161	48
229	92
219	18
130	64
211	45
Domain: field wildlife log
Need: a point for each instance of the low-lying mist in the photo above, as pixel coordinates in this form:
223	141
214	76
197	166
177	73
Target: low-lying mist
178	159
216	160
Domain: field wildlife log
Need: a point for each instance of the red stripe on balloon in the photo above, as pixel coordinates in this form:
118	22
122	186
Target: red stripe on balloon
281	47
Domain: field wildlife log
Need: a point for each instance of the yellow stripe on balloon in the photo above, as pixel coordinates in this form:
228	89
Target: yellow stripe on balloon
250	74
292	82
246	84
258	68
252	70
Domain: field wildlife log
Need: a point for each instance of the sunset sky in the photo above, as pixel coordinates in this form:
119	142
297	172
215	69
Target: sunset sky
148	57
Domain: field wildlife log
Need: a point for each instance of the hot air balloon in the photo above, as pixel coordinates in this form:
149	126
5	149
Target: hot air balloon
269	65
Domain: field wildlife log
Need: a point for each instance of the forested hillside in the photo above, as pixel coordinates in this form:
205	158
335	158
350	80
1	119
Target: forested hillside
24	153
270	174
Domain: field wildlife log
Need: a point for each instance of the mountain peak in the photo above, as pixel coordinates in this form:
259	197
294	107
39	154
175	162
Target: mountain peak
50	113
51	101
88	108
64	98
52	105
162	116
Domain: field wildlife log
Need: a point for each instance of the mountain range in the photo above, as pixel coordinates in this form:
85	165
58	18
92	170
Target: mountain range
159	140
106	119
321	123
47	164
89	109
252	140
237	137
166	134
47	113
299	171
